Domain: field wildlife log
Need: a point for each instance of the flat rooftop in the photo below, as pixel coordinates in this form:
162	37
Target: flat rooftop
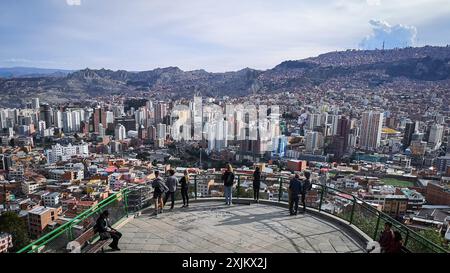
211	226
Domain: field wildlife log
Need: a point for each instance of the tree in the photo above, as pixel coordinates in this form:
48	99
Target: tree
11	223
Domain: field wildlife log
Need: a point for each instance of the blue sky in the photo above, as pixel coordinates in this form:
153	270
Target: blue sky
207	34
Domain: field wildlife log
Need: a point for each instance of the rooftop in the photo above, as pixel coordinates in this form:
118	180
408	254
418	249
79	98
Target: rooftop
213	227
39	210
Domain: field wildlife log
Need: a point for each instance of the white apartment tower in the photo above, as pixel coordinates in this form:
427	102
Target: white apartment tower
120	132
371	126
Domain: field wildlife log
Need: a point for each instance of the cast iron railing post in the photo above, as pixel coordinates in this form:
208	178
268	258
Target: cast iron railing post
353	211
70	233
376	227
195	186
238	190
406	238
125	199
280	190
321	197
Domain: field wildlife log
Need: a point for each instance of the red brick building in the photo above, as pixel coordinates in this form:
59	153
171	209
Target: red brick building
438	194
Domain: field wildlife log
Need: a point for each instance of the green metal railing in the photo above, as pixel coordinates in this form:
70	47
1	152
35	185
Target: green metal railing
322	198
56	240
341	204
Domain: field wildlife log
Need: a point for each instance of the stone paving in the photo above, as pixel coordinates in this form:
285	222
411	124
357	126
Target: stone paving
214	227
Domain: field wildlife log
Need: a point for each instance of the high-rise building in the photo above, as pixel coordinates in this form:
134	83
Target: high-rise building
41	128
152	133
340	141
161	131
67	121
101	130
64	153
161	111
35	103
371	126
46	114
314	120
314	141
99	116
333	121
410	128
435	136
142	132
57	119
119	132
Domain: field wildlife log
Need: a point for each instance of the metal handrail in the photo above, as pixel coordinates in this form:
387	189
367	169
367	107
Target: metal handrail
279	179
66	226
355	200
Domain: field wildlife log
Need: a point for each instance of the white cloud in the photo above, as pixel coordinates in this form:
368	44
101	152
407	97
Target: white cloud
373	2
396	36
73	2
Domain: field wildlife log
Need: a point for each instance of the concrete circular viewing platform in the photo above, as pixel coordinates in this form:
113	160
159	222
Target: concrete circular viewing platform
211	227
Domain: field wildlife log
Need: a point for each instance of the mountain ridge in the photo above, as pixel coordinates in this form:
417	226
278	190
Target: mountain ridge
370	69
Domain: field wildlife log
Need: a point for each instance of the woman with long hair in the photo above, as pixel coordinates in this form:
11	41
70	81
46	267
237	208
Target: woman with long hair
228	181
184	181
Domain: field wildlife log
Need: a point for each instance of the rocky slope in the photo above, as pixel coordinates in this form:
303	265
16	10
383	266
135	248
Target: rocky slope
352	68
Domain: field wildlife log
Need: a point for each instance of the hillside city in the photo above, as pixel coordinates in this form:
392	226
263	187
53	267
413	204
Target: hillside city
390	149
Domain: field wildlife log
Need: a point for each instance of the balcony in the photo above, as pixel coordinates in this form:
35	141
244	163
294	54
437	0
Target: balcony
335	222
211	226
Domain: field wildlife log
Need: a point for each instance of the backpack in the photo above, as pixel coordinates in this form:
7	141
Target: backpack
163	187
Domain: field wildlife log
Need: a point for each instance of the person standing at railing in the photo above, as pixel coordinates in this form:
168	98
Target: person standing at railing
184	183
228	181
159	189
306	186
256	184
295	188
171	183
323	177
396	244
106	231
386	238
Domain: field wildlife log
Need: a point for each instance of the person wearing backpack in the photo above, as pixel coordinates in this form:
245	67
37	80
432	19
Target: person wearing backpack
228	181
159	189
306	186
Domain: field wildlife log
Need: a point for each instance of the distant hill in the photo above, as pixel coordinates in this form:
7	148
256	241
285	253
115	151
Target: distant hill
29	72
363	69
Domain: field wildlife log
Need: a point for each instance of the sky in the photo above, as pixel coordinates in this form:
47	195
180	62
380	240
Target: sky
208	34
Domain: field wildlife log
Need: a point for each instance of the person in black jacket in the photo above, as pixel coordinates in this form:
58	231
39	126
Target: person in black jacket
106	231
295	188
228	181
256	184
306	186
184	181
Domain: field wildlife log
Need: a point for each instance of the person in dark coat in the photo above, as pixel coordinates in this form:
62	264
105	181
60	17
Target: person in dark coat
184	183
256	184
295	188
106	231
306	186
396	244
386	238
228	181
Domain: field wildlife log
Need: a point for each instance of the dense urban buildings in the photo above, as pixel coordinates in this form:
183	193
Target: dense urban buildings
60	159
